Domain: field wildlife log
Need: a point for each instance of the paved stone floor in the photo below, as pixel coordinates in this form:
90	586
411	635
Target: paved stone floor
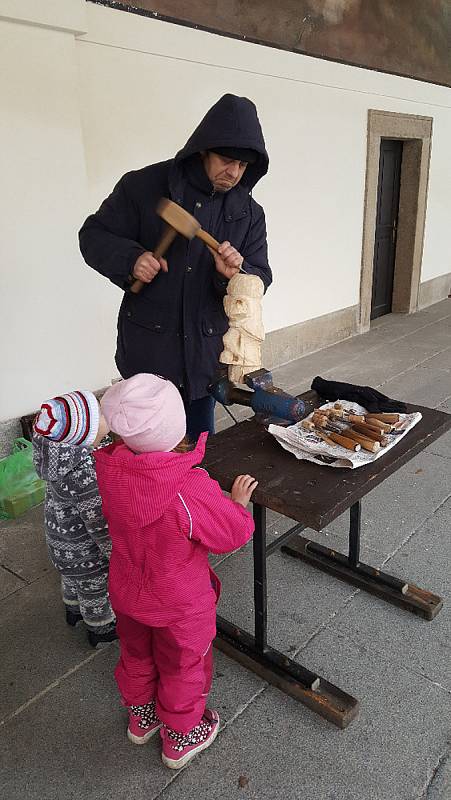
62	732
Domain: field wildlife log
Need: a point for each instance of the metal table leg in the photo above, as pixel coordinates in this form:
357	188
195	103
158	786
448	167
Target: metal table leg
260	593
349	568
271	665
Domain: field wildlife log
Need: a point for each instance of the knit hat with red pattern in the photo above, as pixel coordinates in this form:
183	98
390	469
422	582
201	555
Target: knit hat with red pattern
71	418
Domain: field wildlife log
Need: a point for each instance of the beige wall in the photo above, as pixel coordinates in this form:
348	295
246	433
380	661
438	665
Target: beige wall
88	93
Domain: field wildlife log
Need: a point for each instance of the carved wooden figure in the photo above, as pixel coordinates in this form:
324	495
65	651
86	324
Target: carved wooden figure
242	342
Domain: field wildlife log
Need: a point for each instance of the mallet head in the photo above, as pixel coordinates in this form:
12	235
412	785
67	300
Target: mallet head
178	218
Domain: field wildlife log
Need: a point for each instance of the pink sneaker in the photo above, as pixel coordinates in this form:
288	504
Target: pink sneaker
180	748
142	723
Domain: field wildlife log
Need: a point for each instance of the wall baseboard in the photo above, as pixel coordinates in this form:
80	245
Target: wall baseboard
434	290
295	341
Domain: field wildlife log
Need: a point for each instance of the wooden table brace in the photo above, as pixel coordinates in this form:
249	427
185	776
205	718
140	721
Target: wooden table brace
349	568
273	666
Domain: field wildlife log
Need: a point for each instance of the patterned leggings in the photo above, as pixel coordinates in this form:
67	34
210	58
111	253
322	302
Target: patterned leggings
90	596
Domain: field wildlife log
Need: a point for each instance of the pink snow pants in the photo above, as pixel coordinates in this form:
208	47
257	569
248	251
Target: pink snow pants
172	665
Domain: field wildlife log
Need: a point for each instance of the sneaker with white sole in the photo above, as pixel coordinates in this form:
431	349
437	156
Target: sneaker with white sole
180	748
143	723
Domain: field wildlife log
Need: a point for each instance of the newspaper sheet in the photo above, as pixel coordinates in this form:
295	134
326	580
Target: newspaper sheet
307	446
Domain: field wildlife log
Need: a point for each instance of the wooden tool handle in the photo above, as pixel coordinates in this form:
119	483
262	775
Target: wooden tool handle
377	427
165	242
367	444
377	423
390	419
324	437
308	425
368	432
349	444
213	243
136	286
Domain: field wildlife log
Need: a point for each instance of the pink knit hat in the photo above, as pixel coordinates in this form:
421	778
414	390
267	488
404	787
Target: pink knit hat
147	412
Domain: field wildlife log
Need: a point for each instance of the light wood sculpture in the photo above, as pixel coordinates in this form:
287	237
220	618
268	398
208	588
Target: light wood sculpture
243	340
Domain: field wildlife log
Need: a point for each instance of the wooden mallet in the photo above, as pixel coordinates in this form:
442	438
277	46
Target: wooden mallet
178	221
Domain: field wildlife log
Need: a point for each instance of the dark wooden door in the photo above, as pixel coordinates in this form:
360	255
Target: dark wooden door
386	226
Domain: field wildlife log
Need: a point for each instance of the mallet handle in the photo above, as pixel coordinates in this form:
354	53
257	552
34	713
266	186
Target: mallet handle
207	239
165	242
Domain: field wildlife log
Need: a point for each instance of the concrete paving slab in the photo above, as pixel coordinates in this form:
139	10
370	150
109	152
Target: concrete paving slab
422	385
37	645
335	536
435	337
22	545
305	368
300	598
446	406
420	646
439	787
432	314
398	506
9	583
442	446
71	742
282	751
349	357
382	365
442	360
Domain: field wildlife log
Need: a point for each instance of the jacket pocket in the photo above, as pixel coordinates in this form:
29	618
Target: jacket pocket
145	316
145	323
215	324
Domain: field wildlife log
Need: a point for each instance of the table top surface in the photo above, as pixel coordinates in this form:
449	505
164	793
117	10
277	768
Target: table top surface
311	494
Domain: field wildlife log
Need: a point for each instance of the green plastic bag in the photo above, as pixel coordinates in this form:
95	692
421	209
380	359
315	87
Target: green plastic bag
20	487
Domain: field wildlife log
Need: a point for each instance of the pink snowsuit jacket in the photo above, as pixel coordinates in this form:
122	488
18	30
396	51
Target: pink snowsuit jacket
164	516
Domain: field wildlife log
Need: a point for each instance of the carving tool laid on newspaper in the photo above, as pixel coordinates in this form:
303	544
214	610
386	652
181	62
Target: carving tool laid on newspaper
352	430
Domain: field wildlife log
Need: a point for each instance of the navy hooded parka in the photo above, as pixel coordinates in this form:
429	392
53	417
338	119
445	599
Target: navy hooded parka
174	326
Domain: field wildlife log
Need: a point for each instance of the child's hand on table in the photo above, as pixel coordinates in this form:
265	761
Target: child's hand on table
242	489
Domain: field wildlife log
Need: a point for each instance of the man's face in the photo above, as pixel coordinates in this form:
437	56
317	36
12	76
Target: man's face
224	173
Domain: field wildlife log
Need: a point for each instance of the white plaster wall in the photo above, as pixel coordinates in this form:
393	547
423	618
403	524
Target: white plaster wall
55	316
80	109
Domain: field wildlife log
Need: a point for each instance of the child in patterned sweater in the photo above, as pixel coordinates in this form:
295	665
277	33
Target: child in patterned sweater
66	430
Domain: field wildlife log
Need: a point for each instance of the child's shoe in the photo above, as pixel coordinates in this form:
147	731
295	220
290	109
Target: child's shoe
73	615
106	636
143	722
180	748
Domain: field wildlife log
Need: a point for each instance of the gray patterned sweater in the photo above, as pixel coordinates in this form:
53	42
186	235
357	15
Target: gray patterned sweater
76	530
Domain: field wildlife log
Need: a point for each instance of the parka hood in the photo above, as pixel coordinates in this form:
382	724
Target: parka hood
143	485
231	122
54	460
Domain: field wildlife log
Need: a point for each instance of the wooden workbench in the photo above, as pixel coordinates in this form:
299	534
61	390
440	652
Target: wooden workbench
313	496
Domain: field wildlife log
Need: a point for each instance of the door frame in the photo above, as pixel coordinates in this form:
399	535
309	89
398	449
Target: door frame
416	133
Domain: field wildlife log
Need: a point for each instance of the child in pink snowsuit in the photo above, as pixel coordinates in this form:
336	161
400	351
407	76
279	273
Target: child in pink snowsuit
165	515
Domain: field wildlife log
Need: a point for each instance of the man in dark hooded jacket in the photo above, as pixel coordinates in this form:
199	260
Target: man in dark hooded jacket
174	326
